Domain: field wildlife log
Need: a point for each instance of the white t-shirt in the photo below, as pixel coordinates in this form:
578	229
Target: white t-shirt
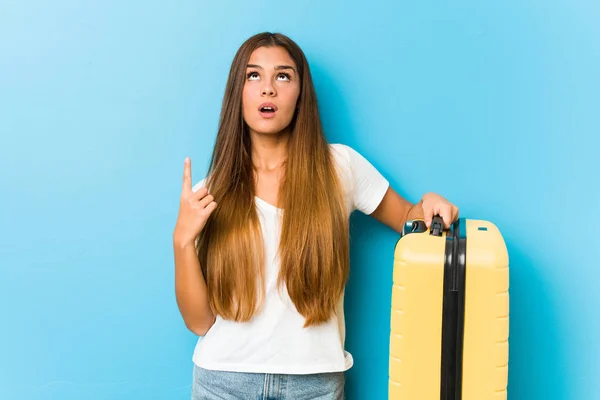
275	341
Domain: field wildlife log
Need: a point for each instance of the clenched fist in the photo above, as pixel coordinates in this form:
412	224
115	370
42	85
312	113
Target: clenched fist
434	204
194	209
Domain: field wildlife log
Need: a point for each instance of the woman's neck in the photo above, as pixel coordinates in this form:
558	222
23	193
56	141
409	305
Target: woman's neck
269	151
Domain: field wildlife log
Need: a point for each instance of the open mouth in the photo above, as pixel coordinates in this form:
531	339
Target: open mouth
267	109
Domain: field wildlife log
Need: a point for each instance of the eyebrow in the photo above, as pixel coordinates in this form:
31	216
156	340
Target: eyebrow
277	67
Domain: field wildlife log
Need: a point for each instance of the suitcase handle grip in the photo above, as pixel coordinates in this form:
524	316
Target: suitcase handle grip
437	226
418	226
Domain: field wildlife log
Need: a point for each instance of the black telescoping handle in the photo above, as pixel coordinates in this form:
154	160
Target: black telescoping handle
437	226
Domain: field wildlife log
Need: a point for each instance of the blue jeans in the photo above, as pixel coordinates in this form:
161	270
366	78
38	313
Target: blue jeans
221	385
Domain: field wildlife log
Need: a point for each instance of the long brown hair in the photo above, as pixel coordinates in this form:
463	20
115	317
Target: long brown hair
314	243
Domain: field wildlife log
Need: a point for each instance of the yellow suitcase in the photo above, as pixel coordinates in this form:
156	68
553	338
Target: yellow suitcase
449	318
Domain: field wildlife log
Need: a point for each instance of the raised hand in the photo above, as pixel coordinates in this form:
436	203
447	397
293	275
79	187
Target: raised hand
194	209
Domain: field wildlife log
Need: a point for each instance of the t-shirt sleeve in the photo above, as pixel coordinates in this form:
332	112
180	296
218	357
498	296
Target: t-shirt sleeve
199	185
369	185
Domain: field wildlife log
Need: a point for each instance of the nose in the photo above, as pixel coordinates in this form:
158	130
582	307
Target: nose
268	89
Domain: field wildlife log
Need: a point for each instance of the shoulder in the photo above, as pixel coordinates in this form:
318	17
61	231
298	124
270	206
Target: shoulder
342	155
342	165
342	159
361	179
340	151
349	158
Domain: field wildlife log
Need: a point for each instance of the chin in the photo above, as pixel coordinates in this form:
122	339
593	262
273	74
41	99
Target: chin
268	132
268	128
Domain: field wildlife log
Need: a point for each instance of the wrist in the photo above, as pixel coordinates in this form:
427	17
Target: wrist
182	243
416	211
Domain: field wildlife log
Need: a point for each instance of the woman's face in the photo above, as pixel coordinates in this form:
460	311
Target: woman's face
271	90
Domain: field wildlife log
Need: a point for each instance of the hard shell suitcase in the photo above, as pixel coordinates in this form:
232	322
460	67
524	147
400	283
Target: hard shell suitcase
450	308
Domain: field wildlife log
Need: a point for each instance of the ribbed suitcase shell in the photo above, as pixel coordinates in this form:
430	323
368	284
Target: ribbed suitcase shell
416	316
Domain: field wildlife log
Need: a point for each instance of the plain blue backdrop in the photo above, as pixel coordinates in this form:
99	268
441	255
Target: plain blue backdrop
495	105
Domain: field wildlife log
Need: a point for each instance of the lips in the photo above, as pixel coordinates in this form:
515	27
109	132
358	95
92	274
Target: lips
267	110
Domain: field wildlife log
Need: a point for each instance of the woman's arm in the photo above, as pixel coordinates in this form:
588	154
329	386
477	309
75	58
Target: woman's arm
190	287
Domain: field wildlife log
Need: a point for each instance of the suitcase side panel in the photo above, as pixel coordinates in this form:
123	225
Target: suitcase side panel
416	317
485	357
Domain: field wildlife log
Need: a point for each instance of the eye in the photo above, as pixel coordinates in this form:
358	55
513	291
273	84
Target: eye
285	76
252	76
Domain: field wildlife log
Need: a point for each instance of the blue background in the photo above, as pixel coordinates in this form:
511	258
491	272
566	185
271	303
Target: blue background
495	105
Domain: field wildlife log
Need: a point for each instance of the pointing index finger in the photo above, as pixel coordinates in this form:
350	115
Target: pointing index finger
187	175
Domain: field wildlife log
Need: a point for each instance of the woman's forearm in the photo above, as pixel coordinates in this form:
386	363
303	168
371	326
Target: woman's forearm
190	289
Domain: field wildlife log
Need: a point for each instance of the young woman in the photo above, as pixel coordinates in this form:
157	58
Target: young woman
261	244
